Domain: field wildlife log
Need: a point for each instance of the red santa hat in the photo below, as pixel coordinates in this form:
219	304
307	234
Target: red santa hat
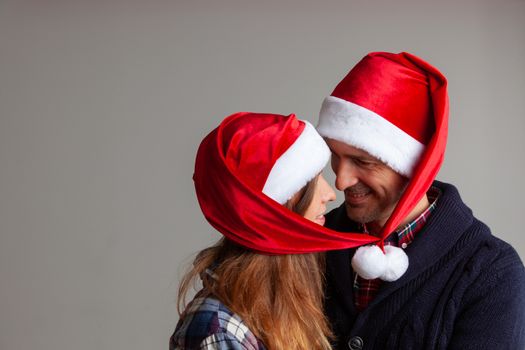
395	107
384	107
248	167
274	154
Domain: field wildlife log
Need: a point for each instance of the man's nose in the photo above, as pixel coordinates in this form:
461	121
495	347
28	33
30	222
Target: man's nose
346	176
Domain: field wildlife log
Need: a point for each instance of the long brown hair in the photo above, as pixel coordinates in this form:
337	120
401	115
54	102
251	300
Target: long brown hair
279	297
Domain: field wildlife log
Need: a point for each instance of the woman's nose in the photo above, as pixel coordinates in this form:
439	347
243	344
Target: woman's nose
327	190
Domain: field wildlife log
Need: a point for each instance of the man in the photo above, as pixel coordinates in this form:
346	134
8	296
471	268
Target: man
454	285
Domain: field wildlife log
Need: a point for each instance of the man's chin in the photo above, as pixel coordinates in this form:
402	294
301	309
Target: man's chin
357	214
367	215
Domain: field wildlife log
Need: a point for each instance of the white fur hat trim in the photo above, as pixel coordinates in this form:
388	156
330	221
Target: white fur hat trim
370	262
300	163
357	126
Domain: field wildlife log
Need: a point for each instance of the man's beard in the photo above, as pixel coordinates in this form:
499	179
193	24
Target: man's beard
365	216
377	208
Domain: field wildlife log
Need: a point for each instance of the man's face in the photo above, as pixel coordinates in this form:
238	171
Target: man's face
371	188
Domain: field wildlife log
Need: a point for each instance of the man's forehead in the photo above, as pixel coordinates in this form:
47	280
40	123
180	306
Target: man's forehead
344	149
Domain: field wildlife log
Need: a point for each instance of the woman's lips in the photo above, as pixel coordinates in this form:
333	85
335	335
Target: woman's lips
320	219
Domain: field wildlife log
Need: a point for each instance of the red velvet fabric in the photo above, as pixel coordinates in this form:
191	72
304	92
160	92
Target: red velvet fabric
434	154
254	141
395	87
233	203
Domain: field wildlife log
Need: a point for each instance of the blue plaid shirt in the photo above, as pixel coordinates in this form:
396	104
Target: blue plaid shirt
209	325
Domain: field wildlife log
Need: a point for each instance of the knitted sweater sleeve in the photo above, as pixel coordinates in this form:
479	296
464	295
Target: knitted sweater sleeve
492	311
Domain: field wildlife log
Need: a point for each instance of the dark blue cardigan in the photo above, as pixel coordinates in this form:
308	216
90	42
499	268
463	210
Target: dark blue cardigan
464	289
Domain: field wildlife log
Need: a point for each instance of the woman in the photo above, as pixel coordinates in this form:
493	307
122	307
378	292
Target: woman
262	285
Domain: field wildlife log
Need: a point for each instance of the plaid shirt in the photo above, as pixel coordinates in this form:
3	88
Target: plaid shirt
209	325
366	290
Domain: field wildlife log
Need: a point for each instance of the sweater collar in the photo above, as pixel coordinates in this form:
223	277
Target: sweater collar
441	232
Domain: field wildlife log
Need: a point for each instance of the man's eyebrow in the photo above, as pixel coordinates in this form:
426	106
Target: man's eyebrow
362	157
367	158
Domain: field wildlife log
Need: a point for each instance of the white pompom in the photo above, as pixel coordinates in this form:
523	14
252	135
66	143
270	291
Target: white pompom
369	262
396	263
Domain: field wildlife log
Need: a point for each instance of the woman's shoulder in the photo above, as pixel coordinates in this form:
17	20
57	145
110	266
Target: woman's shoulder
209	324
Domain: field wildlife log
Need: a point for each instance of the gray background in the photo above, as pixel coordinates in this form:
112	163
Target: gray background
103	104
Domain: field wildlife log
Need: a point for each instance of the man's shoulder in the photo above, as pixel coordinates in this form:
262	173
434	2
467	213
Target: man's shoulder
476	228
499	257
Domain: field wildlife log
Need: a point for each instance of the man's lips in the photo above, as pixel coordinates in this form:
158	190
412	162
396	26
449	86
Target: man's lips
357	197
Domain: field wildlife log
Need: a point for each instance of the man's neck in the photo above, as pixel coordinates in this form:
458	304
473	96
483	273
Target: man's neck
375	227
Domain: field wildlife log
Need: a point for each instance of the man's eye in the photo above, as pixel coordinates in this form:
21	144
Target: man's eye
362	162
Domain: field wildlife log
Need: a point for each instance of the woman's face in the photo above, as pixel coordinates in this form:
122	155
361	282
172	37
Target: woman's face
323	194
